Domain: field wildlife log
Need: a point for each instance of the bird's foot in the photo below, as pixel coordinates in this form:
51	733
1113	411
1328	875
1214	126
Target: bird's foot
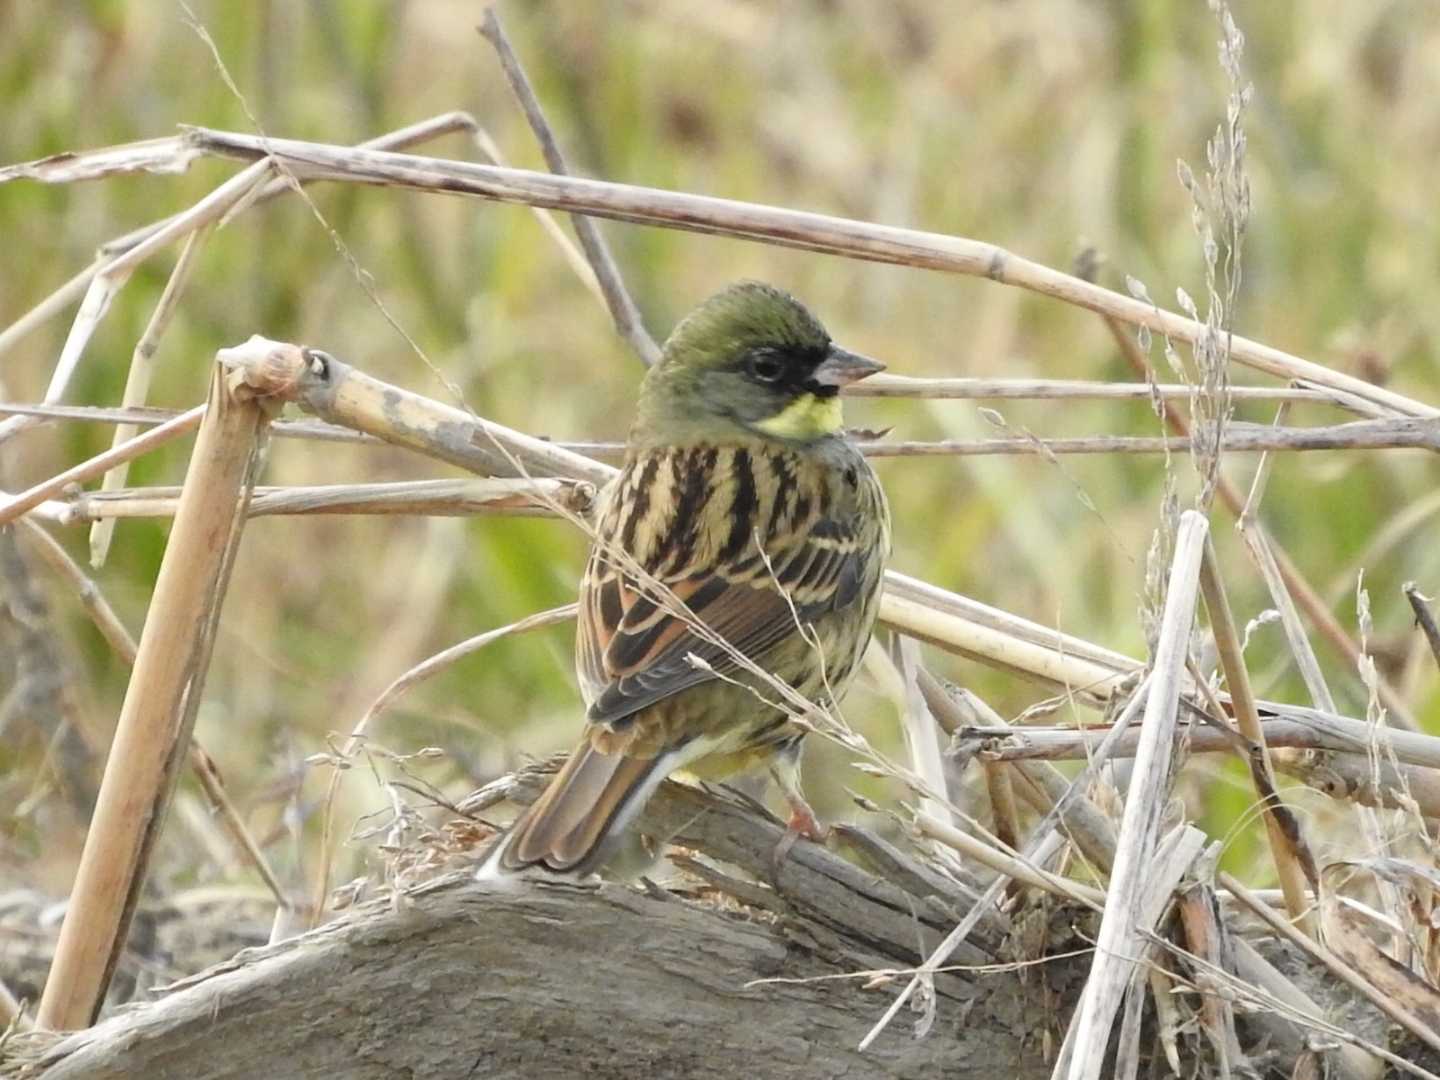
803	822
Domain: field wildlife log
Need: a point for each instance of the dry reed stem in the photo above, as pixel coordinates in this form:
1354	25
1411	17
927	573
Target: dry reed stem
1297	588
137	380
439	498
1380	786
1294	864
788	228
922	742
32	497
1239	437
1173	856
968	388
85	589
1205	937
113	272
124	647
1343	971
623	311
70	167
1300	728
1024	870
998	648
99	293
1122	933
153	730
1061	800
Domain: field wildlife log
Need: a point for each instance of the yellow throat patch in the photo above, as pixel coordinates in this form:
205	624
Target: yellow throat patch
807	417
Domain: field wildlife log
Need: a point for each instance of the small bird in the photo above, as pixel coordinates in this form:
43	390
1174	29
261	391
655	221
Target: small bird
743	499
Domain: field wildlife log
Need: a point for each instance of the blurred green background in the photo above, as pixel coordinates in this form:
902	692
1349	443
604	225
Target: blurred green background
1039	125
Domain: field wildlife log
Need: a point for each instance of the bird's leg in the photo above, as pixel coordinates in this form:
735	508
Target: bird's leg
802	822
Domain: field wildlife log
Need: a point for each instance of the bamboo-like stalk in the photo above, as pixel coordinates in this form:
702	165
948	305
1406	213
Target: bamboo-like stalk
1294	864
152	734
1122	935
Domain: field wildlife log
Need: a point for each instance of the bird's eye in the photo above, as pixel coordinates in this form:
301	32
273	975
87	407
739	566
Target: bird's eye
766	368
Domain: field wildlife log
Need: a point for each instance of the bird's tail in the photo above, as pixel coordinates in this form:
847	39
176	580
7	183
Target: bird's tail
574	825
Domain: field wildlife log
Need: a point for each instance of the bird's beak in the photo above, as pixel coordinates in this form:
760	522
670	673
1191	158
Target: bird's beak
841	367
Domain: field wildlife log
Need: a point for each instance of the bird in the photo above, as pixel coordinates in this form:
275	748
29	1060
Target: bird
744	523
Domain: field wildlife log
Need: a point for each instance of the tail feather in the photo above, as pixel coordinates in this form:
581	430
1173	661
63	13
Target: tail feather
573	826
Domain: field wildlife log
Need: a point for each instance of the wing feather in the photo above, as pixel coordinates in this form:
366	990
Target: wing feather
634	648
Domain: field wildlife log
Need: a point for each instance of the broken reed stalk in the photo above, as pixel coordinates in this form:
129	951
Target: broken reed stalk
1205	937
1122	934
922	735
787	228
152	733
1294	864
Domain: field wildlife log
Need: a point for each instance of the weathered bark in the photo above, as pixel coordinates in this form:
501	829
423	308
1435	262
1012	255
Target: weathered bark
552	978
454	978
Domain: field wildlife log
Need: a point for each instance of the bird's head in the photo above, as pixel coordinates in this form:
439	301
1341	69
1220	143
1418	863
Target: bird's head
751	360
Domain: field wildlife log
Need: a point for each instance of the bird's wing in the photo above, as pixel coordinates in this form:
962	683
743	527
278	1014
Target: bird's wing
634	646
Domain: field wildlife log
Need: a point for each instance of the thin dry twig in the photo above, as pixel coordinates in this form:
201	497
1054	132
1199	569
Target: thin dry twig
790	228
124	647
27	500
1343	971
1291	854
1424	617
1271	558
628	322
969	388
137	381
